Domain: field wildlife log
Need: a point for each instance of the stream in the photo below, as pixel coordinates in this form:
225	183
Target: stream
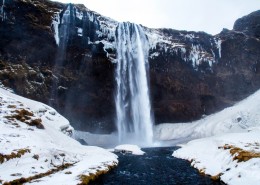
155	167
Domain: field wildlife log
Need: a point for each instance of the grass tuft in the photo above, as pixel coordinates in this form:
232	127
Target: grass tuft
86	179
239	154
25	116
23	180
17	154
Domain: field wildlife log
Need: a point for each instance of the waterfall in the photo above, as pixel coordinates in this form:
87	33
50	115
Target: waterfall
133	109
2	11
64	30
63	34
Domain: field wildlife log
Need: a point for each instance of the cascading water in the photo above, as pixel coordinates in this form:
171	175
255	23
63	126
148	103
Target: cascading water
2	11
133	109
64	28
63	37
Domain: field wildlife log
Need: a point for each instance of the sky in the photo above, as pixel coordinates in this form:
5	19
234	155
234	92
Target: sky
210	16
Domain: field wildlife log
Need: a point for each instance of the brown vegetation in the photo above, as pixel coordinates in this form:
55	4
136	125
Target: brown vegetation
23	180
216	177
25	116
13	155
86	179
239	154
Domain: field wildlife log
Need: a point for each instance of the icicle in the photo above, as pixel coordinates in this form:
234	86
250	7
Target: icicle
55	24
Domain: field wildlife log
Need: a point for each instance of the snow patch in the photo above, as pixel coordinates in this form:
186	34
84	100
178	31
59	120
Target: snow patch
236	127
90	16
238	118
209	156
127	148
80	32
154	55
46	148
79	14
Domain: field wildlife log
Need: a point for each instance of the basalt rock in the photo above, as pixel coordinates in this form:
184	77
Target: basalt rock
65	55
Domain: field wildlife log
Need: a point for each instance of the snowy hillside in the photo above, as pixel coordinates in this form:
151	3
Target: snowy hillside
238	118
35	148
233	158
232	153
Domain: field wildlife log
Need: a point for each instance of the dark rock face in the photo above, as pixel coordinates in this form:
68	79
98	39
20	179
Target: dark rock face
183	92
249	24
70	63
33	64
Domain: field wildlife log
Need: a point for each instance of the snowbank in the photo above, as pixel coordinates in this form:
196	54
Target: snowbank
43	154
219	156
238	118
233	154
133	149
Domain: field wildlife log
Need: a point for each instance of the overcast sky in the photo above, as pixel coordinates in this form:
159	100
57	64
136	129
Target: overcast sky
210	16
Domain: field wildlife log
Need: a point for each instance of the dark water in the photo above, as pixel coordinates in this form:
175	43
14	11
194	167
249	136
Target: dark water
156	167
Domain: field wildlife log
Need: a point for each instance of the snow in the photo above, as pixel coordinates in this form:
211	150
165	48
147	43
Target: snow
155	37
237	127
154	55
196	54
50	144
238	118
103	140
80	32
79	14
133	149
207	155
190	36
90	16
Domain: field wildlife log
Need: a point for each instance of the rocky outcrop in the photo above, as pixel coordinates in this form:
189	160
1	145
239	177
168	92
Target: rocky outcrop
249	24
74	75
65	55
187	91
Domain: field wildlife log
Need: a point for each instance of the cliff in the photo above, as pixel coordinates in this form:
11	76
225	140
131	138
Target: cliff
65	55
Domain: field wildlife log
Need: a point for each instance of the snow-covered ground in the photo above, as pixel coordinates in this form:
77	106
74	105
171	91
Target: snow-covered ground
213	156
238	118
133	149
45	153
229	144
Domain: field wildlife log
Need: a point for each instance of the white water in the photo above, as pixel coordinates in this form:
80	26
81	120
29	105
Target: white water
61	36
133	109
64	29
2	12
55	24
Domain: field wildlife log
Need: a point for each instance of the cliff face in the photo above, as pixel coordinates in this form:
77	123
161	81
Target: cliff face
183	91
45	57
65	55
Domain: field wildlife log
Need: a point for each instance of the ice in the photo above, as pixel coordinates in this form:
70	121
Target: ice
55	24
218	42
79	14
80	32
155	54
